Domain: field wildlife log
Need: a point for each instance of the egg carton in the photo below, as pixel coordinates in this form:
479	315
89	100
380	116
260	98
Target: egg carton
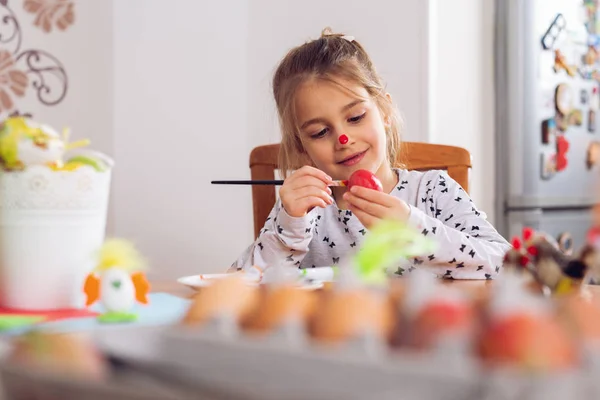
220	360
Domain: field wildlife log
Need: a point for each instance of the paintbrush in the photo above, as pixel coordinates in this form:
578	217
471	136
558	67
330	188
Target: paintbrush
269	182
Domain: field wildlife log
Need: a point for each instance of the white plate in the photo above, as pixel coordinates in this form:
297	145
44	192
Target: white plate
203	280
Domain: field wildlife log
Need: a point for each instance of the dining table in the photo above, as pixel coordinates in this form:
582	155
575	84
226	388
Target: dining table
478	288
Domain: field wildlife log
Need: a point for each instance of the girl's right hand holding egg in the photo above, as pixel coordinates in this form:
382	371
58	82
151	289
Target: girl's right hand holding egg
305	189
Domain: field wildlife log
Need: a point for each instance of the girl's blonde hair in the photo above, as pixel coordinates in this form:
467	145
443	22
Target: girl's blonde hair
331	57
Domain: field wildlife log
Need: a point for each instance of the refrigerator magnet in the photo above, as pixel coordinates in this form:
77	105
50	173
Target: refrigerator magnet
587	72
553	31
590	8
562	147
548	165
593	154
565	243
560	63
575	118
548	130
563	99
591	56
563	122
583	96
594	99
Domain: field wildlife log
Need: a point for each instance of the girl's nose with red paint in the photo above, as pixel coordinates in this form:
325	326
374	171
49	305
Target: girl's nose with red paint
343	139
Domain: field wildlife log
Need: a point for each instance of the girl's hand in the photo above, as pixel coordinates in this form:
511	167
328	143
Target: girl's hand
370	206
305	189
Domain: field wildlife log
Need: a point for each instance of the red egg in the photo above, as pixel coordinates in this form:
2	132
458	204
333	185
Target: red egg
532	342
437	319
366	179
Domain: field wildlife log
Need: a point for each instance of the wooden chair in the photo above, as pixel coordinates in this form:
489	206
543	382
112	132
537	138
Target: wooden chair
415	156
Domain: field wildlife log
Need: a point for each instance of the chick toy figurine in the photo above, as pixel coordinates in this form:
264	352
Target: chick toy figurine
557	272
24	142
119	282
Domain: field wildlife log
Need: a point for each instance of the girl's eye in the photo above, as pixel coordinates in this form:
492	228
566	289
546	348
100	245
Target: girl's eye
357	118
320	134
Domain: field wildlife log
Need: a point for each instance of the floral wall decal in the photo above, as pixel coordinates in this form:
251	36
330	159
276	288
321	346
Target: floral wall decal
50	12
12	81
23	69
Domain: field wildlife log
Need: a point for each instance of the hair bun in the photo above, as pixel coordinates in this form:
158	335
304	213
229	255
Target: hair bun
326	32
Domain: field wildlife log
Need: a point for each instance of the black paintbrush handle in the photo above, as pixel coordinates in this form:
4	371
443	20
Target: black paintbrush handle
268	182
274	182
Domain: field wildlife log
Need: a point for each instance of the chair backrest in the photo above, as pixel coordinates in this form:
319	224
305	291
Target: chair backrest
415	156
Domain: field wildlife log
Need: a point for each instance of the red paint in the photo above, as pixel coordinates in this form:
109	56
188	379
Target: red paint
343	139
366	179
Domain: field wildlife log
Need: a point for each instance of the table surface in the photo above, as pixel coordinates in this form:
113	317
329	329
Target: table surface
172	287
476	286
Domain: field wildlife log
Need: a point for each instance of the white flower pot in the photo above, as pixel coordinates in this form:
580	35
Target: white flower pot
51	225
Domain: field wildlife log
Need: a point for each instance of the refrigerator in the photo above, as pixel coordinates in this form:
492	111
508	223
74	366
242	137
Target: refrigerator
547	122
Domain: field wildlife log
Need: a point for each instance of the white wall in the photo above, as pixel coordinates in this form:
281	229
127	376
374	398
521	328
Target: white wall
180	111
393	33
461	108
179	93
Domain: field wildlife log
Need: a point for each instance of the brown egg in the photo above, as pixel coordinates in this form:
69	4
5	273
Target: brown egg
59	353
280	303
228	296
397	290
345	314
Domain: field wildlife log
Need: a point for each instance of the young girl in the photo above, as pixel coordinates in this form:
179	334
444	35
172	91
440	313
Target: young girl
337	118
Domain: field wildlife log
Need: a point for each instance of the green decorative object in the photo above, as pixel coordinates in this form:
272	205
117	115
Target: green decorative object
97	164
387	243
8	322
113	317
